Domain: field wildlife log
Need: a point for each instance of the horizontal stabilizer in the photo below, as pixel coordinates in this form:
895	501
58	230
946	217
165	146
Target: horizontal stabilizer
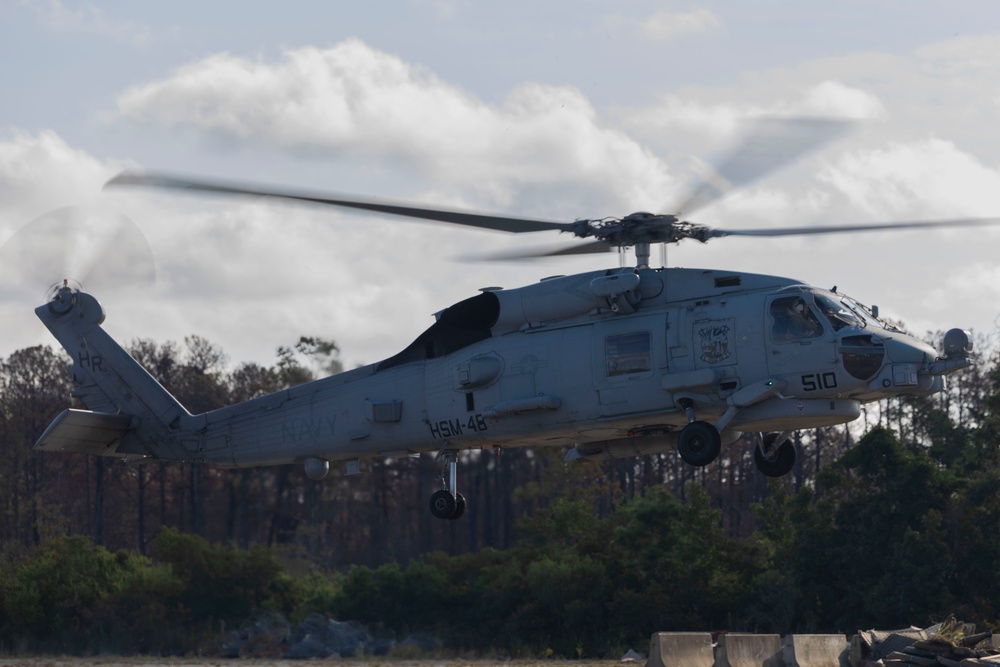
85	432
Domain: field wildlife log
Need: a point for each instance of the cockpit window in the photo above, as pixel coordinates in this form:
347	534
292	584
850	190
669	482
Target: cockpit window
869	314
837	313
793	319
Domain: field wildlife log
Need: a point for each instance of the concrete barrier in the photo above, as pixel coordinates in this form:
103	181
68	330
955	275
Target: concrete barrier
814	650
681	649
743	650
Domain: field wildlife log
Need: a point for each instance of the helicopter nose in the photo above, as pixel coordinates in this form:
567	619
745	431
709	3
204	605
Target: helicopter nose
906	367
907	350
958	353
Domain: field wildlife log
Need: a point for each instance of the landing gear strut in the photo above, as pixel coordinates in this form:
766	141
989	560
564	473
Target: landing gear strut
774	454
699	442
446	503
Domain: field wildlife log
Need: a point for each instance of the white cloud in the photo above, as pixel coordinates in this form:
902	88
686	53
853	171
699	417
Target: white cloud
51	226
949	89
351	98
836	99
925	179
222	268
667	25
40	172
688	121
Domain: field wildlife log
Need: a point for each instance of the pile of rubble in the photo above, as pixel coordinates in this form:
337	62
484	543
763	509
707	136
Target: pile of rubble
949	644
317	637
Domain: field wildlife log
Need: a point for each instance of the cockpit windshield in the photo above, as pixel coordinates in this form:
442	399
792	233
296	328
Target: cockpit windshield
799	314
869	314
800	310
837	312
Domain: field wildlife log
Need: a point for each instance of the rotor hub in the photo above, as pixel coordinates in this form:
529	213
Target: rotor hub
643	227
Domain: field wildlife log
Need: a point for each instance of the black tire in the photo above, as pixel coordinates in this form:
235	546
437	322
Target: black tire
459	507
782	464
699	443
443	504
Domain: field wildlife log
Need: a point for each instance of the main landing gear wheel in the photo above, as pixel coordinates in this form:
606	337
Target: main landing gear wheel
447	505
699	443
778	461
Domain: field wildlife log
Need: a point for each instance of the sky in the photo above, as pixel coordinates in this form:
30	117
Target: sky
557	110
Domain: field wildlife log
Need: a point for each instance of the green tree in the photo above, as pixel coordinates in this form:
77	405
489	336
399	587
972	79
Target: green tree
223	583
55	598
34	388
783	518
975	535
876	529
320	354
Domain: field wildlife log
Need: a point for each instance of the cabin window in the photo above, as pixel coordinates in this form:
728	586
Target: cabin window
793	319
627	354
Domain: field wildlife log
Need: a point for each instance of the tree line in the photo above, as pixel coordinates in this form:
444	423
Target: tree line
892	522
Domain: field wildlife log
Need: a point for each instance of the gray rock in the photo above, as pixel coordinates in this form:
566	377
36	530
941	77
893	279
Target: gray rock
264	638
632	656
320	637
307	648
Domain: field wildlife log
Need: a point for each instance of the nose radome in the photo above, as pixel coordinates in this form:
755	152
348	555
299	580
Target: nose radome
908	350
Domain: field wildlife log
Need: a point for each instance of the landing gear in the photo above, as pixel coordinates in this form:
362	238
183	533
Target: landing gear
699	442
447	504
774	454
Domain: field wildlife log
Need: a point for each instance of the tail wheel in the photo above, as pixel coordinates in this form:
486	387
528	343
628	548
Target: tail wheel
699	443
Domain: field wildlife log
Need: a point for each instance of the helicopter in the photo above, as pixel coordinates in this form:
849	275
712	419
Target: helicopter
607	364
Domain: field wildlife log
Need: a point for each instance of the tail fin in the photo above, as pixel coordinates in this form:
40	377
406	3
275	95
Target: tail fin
130	412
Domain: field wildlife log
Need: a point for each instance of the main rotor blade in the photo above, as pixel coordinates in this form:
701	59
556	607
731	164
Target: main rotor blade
873	227
766	145
589	248
468	218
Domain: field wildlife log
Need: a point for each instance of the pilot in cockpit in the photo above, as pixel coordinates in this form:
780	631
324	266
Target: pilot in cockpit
794	320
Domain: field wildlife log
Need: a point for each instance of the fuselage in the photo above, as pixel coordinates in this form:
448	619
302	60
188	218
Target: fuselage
613	362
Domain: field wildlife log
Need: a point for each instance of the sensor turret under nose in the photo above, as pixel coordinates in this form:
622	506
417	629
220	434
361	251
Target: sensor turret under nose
957	342
957	347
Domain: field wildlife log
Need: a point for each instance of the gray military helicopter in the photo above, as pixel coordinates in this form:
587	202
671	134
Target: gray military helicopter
608	364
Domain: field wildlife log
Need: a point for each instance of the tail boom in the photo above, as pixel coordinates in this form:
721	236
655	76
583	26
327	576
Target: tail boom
130	412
